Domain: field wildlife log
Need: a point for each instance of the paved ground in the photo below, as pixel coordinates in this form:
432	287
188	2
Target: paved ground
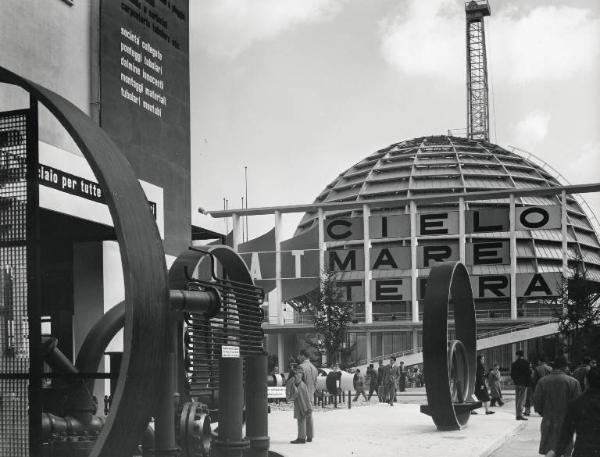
525	443
374	429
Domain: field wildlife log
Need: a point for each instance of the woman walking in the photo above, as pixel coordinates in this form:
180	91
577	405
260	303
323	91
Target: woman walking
481	391
494	383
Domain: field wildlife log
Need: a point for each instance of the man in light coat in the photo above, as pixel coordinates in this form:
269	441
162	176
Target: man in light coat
550	399
310	374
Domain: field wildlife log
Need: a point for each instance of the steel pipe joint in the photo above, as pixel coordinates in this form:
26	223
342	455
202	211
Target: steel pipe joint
196	301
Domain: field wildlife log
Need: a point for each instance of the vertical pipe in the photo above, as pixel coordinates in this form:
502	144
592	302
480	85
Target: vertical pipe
513	258
257	425
230	442
413	261
366	249
164	434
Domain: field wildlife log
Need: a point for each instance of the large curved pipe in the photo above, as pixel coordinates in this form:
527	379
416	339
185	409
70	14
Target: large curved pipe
100	335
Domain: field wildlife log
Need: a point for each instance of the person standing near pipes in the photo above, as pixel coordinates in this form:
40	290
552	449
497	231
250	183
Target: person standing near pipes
298	393
310	374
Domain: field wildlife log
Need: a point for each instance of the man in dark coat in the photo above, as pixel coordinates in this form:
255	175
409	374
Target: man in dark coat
583	418
521	376
402	377
380	388
550	399
581	372
393	380
371	378
388	382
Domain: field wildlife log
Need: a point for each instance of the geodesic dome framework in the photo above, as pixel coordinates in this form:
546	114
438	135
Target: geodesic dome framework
437	165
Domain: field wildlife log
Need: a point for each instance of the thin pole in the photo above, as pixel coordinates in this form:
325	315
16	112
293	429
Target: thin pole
246	184
243	228
226	219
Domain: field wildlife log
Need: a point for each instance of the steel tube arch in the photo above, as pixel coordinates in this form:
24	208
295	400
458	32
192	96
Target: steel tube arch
144	270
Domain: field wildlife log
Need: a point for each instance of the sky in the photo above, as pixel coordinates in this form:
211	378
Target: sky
298	91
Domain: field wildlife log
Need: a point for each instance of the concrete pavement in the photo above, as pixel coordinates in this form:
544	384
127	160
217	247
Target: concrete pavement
377	429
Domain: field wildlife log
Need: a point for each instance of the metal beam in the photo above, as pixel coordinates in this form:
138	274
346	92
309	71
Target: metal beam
420	200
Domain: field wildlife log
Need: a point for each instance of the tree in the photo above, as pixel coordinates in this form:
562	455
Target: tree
578	314
330	312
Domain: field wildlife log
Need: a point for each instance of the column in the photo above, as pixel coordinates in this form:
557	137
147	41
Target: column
415	338
321	220
413	262
565	243
565	248
278	284
281	354
367	252
369	349
513	259
236	231
462	239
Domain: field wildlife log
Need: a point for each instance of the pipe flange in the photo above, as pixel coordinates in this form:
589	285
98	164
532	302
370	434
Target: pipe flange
230	444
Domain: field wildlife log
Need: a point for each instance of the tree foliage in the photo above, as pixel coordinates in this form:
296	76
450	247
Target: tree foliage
578	314
331	314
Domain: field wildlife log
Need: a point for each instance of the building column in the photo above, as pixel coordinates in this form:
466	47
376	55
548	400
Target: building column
513	259
280	354
564	234
278	284
367	253
462	239
236	231
415	338
369	349
413	262
565	242
321	220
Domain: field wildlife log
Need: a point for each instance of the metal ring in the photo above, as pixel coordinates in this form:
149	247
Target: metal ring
448	285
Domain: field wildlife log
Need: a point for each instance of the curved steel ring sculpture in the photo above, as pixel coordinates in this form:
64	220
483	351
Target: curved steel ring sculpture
144	270
449	365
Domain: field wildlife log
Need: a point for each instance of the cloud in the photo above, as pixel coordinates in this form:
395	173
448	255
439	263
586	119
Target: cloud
427	39
532	129
583	165
226	28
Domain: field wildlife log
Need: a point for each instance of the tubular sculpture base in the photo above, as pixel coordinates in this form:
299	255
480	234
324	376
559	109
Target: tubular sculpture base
459	409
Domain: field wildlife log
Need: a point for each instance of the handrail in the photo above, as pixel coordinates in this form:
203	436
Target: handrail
560	177
504	331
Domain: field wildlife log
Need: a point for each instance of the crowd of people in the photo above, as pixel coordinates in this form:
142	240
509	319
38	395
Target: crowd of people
556	394
569	402
386	381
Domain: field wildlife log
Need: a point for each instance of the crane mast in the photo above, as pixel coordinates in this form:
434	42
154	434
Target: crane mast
478	125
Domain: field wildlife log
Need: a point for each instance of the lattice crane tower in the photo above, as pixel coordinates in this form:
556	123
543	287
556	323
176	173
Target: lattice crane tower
478	125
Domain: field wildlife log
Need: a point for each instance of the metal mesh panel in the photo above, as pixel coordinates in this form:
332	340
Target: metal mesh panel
237	324
14	329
